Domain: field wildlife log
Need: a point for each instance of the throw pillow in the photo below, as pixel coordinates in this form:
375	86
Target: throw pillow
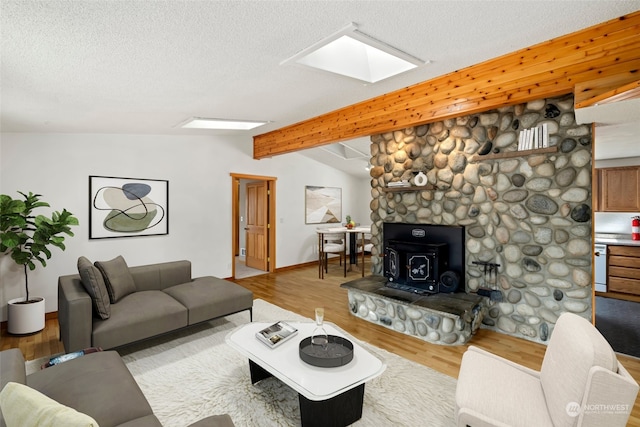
117	277
23	406
93	282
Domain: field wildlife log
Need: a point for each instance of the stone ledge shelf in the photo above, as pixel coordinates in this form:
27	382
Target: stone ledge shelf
446	319
512	154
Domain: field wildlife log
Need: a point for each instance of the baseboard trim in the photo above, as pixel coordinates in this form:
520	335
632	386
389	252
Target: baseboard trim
287	268
293	267
619	295
307	264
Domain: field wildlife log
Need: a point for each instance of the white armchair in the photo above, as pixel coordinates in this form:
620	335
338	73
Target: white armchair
580	383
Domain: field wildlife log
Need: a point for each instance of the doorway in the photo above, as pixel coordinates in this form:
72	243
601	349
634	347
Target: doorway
614	314
253	225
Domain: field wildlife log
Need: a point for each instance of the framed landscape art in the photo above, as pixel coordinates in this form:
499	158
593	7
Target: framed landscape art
127	207
322	204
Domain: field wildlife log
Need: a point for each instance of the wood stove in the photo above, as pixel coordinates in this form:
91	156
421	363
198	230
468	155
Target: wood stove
416	266
423	259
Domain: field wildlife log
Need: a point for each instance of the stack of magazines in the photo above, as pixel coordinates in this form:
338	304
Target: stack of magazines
276	334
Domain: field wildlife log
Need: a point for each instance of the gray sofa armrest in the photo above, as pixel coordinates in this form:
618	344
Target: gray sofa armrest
12	369
75	313
99	385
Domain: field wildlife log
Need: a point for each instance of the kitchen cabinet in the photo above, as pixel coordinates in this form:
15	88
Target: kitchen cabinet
618	189
624	269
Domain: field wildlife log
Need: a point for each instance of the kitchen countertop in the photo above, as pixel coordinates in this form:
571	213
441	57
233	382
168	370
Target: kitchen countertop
616	239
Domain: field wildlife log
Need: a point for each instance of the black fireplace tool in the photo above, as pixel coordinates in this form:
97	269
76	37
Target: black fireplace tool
492	294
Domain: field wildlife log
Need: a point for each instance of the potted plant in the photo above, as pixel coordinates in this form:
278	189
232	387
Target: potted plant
26	237
350	223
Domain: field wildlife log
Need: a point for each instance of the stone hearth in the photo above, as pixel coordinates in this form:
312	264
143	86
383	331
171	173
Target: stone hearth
440	318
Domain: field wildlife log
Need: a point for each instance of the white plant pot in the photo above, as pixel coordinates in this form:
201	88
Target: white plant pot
25	318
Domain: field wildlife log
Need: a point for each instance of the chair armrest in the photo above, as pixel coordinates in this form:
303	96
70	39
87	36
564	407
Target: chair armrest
214	421
609	398
524	369
75	313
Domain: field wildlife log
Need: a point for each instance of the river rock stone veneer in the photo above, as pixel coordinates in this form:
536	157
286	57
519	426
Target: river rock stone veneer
530	214
446	319
429	325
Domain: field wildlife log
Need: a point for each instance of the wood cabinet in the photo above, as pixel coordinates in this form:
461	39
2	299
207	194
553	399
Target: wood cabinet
618	189
624	269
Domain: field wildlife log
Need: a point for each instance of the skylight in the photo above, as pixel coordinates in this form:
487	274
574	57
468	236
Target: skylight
354	54
220	124
344	151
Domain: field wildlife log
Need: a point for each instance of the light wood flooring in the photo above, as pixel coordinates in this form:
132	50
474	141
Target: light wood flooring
300	290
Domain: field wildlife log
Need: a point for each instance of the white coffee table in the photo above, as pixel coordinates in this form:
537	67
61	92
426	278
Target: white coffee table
327	396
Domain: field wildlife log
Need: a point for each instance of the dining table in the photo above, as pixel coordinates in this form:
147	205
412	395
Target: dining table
353	233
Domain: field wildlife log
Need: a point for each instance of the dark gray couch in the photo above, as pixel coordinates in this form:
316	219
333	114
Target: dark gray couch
97	384
165	298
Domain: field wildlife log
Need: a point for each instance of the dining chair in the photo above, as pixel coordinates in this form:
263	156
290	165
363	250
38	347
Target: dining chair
332	243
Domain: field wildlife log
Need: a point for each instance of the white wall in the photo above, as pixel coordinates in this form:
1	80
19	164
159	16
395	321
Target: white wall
197	167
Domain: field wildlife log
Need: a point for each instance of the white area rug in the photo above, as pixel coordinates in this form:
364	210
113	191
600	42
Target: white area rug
192	374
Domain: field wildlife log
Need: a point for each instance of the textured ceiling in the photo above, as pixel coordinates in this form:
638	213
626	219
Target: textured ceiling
146	66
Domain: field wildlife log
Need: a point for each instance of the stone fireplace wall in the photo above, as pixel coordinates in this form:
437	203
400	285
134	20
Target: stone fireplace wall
530	214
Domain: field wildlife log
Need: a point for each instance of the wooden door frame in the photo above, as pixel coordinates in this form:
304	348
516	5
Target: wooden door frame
271	217
595	203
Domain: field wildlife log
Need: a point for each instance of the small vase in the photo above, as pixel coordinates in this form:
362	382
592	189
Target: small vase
319	335
420	180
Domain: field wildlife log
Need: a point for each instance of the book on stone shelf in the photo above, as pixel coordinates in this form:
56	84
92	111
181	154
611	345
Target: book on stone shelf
276	334
525	144
521	140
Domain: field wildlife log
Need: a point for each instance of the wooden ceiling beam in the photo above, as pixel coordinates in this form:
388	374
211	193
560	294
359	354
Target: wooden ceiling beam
608	91
591	62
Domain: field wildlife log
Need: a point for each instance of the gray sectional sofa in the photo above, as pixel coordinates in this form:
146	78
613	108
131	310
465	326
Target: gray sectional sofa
96	385
108	304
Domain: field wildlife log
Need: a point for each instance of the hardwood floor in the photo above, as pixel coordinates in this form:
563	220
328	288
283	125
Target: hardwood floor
34	346
300	290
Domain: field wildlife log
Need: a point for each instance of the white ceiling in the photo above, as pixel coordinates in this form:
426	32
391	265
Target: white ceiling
99	66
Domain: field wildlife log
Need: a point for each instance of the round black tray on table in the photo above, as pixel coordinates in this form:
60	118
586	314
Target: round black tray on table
337	352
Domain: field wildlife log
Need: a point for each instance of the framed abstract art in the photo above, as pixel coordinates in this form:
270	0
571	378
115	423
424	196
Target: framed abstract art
127	207
323	205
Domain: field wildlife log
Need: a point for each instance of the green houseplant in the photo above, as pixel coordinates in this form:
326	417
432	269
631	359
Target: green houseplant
26	237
